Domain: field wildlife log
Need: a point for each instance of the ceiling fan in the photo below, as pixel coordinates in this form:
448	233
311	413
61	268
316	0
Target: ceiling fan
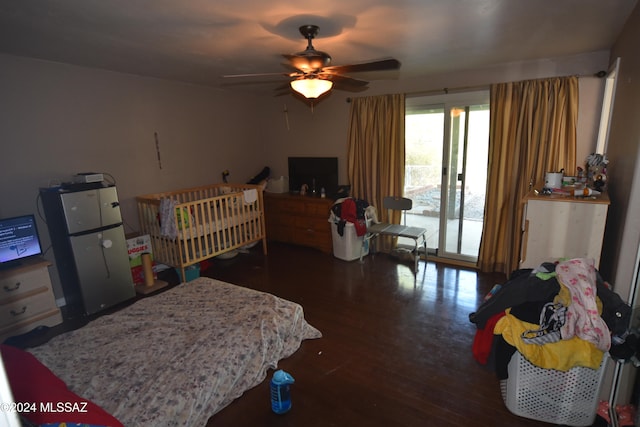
313	76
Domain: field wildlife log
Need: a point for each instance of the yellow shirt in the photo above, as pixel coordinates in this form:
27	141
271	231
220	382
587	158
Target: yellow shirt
562	355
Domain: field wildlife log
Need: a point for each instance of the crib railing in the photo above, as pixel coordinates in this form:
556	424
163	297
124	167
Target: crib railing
209	221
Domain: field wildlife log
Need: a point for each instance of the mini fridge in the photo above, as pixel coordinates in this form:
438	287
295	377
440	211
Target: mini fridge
90	247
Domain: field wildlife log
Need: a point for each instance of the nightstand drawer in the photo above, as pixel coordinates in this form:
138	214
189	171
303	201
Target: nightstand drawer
23	309
49	318
26	298
18	285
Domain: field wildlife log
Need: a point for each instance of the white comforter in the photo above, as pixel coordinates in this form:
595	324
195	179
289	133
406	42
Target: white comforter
177	358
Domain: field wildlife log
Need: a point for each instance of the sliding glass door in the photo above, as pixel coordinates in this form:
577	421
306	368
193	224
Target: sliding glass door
446	170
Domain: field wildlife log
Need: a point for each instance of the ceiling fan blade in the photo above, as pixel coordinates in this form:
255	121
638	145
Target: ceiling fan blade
385	64
257	75
344	80
315	64
349	88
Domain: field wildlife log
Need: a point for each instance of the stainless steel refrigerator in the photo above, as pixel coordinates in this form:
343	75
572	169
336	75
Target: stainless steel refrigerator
90	248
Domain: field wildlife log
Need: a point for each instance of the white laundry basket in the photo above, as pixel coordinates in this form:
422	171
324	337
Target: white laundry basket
348	246
557	397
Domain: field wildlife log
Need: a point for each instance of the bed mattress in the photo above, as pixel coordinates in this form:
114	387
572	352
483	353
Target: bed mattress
179	357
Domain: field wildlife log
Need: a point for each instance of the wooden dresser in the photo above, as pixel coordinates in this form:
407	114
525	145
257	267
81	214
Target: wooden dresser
301	220
26	298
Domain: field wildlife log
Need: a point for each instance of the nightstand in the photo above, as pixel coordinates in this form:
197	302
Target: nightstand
26	298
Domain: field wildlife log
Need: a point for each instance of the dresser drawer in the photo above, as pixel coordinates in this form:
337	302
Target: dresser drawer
286	207
320	208
280	233
278	221
315	239
301	220
23	283
23	309
312	224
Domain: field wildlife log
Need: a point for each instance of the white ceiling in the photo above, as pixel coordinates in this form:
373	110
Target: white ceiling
198	41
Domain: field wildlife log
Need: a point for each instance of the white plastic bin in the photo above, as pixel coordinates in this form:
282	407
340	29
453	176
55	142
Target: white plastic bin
347	247
556	397
278	185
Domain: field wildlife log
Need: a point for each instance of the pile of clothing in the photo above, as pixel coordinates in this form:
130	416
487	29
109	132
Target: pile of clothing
558	316
349	210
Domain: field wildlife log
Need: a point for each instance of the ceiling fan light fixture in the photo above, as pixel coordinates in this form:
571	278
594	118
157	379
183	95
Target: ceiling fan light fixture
311	88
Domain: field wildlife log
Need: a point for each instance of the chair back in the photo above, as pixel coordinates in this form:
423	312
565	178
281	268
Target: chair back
398	204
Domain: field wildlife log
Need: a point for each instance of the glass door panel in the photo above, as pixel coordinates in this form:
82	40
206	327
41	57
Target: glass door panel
446	171
464	182
424	132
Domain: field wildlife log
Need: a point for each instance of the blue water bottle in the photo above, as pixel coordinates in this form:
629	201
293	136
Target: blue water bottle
281	391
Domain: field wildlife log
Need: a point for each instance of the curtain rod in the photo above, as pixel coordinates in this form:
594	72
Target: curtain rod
446	90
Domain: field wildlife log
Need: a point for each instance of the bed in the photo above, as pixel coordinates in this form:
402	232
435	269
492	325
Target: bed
178	357
190	225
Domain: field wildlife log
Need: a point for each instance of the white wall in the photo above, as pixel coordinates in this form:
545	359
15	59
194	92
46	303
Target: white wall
59	119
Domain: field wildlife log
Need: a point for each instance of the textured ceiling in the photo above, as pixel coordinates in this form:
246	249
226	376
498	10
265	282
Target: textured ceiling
199	41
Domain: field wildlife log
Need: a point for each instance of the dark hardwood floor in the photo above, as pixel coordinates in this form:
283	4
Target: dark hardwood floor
395	351
396	346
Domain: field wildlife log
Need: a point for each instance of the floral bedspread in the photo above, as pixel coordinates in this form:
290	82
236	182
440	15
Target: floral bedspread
177	358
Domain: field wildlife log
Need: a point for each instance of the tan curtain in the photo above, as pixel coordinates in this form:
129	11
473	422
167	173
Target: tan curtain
532	131
376	150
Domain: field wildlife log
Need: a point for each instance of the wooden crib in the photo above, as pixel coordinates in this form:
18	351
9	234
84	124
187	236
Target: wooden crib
190	225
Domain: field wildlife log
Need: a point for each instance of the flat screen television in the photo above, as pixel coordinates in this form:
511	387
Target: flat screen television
323	171
19	239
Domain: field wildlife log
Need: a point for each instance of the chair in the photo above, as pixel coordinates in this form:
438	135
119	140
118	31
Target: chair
418	234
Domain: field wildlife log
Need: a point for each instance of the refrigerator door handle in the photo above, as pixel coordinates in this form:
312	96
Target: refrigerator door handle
96	230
